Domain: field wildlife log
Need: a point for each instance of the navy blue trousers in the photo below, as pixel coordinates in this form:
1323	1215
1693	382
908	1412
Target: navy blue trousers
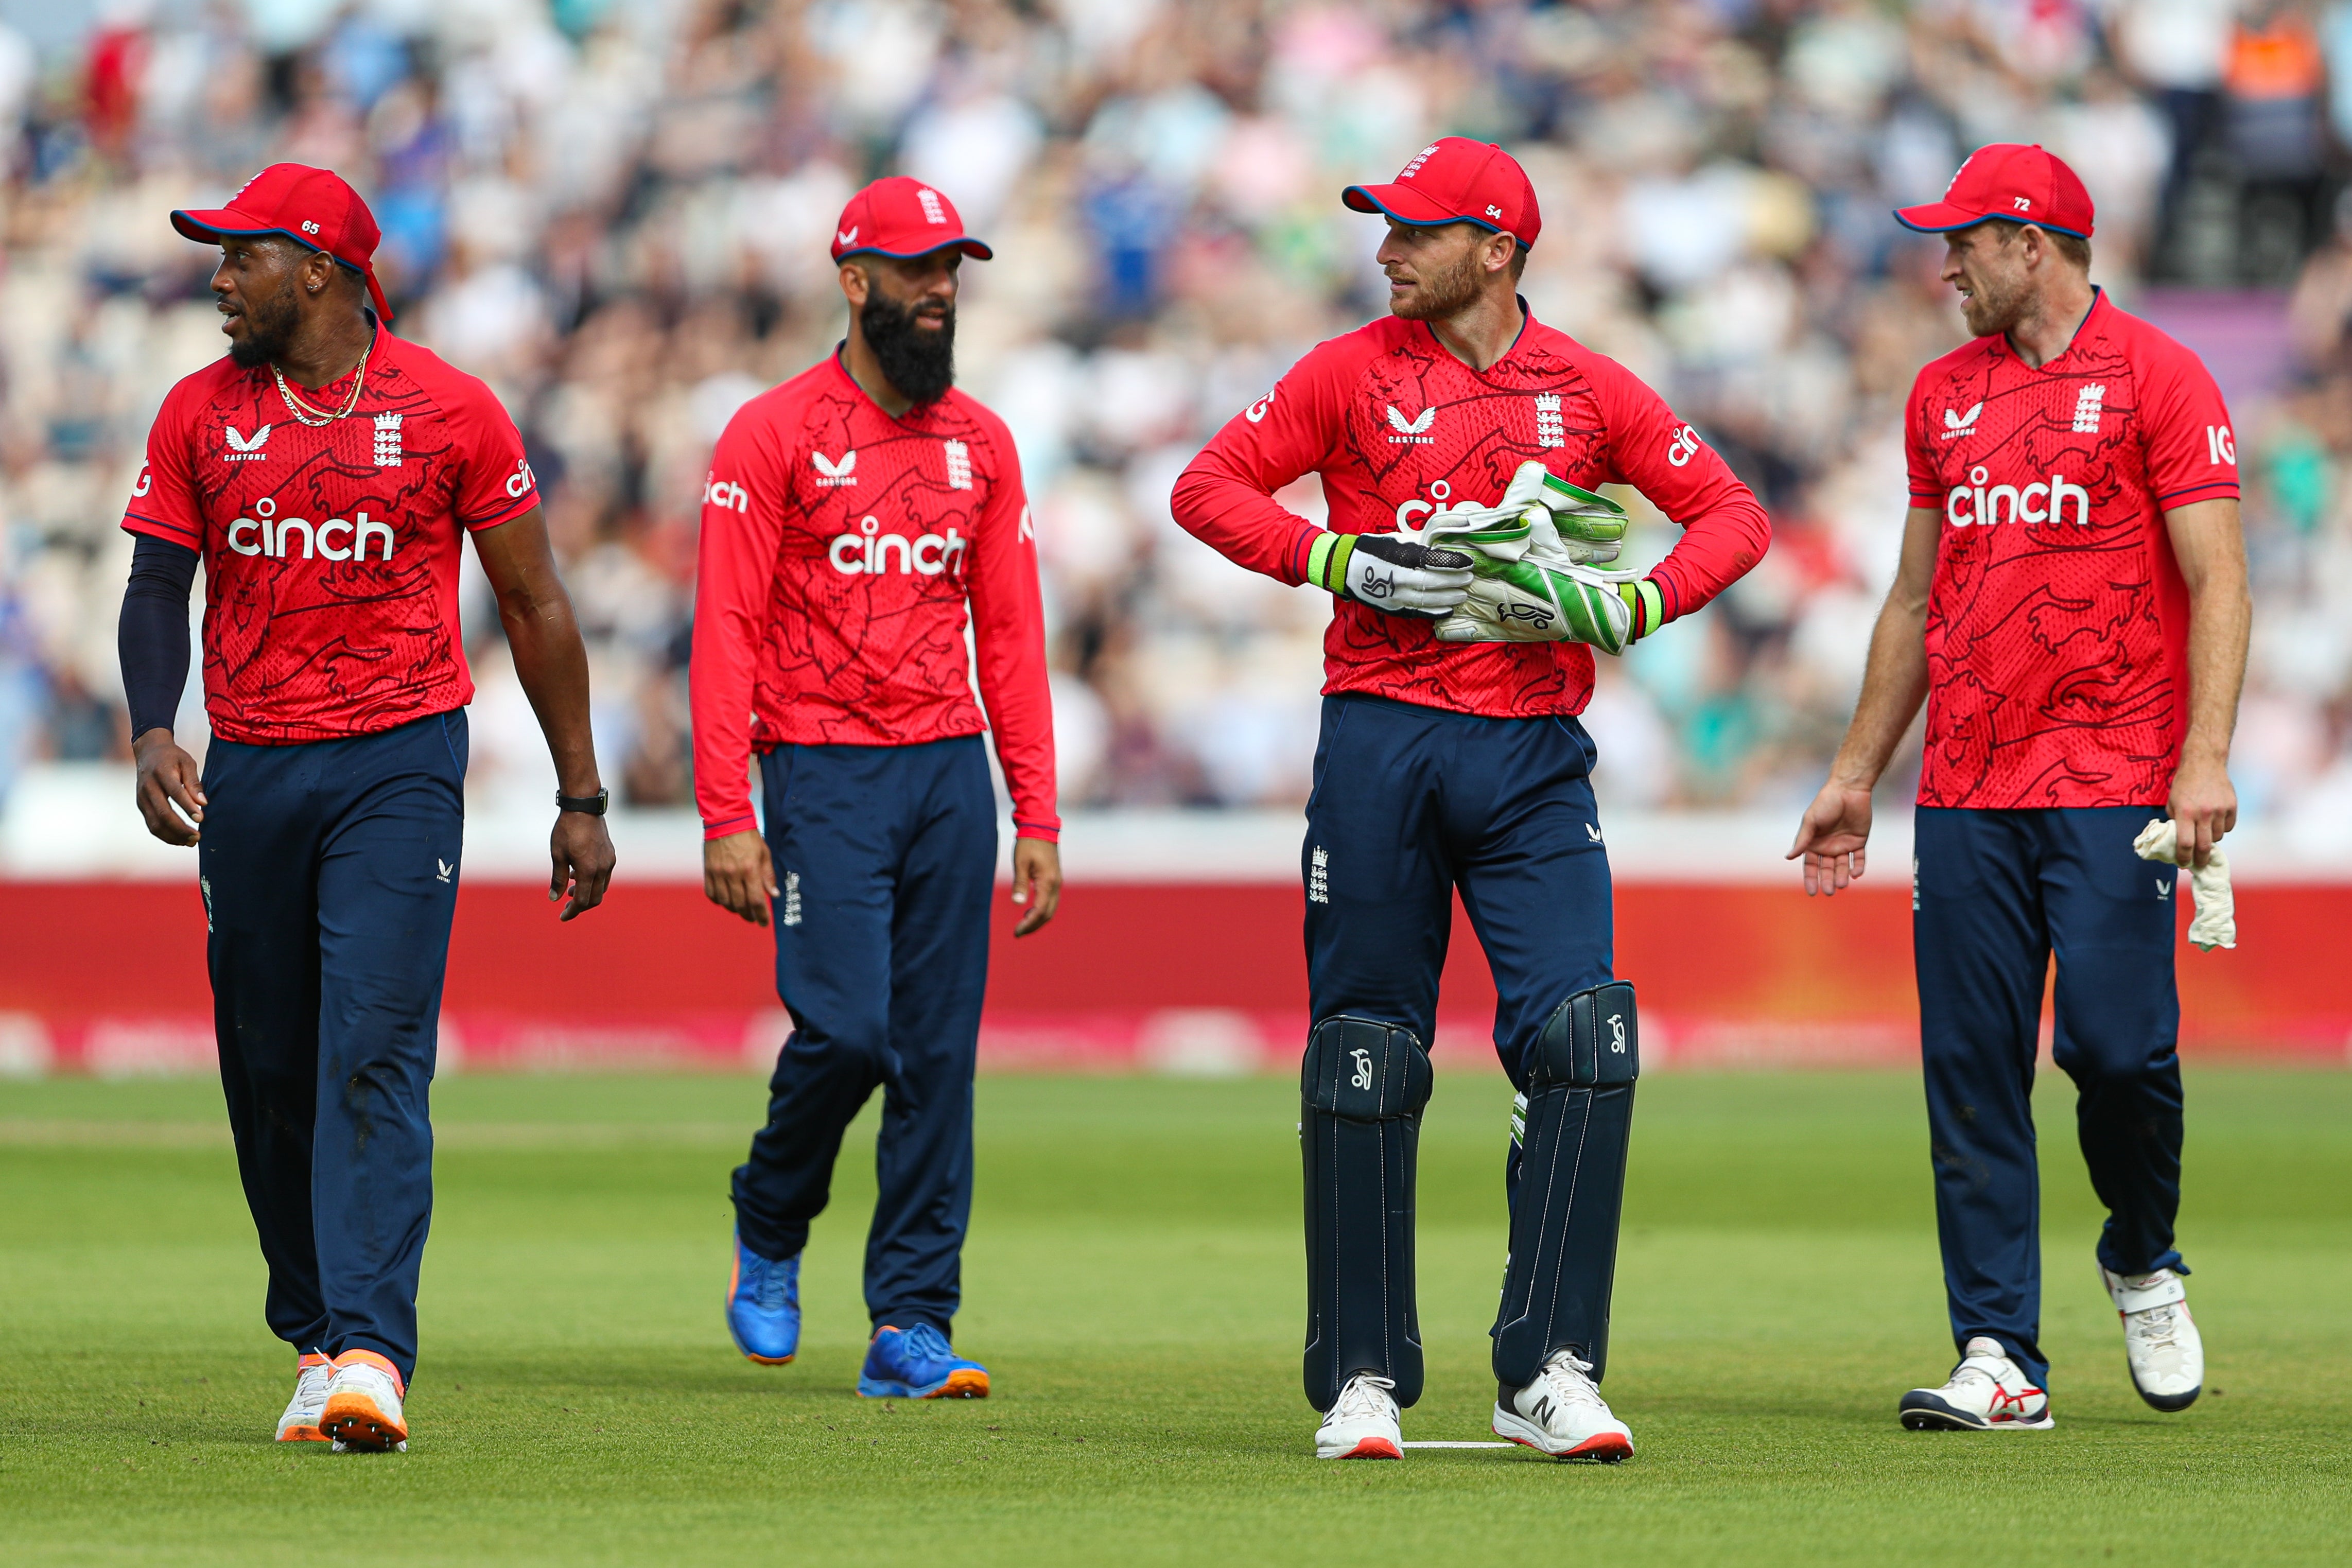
329	875
885	857
1995	894
1410	804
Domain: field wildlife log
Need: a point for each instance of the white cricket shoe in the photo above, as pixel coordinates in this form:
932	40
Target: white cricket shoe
1561	1414
300	1422
1361	1423
2160	1339
1987	1393
362	1409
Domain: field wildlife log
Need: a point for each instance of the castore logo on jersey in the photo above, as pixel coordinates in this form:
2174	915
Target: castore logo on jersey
1973	506
1957	424
273	536
244	449
868	550
831	473
1413	432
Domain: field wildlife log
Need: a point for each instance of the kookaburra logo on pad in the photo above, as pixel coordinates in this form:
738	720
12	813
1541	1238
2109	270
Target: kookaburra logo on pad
1363	1075
1414	431
1617	1033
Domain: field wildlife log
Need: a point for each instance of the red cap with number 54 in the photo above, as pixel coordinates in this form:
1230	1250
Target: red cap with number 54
2023	185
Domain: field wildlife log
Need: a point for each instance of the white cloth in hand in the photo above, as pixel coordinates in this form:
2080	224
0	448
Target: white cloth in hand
2216	924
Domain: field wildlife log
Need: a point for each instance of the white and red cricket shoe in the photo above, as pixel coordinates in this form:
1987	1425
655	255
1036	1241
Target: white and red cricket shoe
362	1409
1561	1414
1987	1392
1361	1423
2166	1353
300	1422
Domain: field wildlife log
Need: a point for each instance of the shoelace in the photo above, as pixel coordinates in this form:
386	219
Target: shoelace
1364	1396
2158	1328
925	1342
1565	1377
772	1287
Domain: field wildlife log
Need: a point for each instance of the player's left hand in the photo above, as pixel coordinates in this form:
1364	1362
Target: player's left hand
582	851
1036	882
2204	805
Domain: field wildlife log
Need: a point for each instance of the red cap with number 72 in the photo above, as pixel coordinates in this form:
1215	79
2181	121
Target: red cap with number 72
313	207
2024	184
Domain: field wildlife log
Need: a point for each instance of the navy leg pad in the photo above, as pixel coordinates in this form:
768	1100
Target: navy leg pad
1361	1088
1567	1186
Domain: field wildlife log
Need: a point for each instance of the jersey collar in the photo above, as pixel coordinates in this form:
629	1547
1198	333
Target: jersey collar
841	370
1527	319
2098	304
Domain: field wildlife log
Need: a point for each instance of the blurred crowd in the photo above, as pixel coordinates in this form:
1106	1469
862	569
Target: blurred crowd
617	212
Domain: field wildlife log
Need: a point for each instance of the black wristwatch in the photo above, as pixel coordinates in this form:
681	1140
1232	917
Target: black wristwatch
594	805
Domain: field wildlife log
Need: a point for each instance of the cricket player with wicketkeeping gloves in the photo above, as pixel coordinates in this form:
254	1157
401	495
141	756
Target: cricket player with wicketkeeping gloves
2071	604
856	518
325	473
1458	441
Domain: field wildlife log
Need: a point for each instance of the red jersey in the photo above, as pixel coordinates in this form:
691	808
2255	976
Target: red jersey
840	550
1398	429
330	552
2057	622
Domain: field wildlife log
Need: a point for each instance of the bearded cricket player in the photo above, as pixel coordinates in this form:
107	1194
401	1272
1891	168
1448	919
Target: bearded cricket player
2071	605
1459	443
856	518
324	472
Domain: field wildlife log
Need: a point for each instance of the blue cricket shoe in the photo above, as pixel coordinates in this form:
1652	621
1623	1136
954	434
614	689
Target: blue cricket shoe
917	1364
764	1306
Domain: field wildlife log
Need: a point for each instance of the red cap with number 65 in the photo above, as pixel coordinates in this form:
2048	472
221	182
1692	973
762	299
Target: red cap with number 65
313	207
2024	184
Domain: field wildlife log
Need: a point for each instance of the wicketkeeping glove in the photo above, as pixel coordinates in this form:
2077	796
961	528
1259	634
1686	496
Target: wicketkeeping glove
1400	576
1541	598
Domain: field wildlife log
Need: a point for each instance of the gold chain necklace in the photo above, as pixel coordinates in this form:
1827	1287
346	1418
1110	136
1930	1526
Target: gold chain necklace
304	414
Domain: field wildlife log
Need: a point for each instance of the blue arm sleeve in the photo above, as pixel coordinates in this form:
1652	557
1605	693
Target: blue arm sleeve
153	636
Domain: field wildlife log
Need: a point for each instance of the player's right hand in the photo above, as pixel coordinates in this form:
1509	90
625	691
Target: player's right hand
1391	574
169	777
737	876
1831	837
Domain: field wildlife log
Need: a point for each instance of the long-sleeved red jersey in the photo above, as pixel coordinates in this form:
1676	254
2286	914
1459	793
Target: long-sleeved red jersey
1398	428
840	547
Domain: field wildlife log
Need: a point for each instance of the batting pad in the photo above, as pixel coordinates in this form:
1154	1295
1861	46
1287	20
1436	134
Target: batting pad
1361	1089
1569	1185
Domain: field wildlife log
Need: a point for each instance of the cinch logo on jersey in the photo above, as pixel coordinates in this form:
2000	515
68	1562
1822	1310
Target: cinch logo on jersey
1973	506
869	550
831	475
273	536
717	491
1413	432
1683	447
244	449
1550	431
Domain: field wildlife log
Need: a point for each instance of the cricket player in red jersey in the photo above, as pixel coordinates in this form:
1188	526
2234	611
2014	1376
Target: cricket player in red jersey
325	473
856	518
2072	606
1456	441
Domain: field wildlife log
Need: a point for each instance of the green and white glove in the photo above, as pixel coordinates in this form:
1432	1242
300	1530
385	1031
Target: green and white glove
1537	599
1587	528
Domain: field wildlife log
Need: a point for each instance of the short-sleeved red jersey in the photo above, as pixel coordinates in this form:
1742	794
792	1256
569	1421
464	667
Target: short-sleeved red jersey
330	552
2058	623
840	548
1398	429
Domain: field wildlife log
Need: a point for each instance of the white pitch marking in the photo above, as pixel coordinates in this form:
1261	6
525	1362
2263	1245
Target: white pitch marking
1460	1445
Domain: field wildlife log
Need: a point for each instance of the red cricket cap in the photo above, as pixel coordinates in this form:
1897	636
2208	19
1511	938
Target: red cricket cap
2024	184
313	207
1456	180
899	217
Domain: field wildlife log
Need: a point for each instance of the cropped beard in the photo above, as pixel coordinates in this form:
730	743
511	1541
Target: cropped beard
268	330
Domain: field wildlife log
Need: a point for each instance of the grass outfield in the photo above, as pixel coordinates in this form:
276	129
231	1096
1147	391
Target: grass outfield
1134	1284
